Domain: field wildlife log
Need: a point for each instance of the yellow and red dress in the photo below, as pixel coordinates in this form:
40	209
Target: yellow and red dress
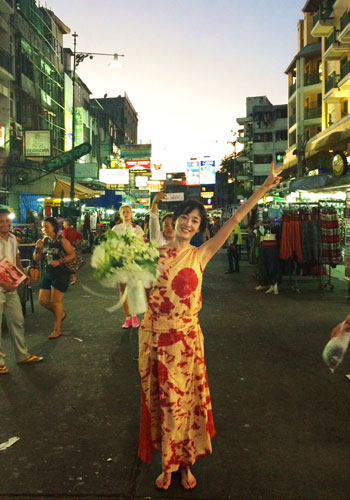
176	412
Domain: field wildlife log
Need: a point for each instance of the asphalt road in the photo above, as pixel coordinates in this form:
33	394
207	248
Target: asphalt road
282	419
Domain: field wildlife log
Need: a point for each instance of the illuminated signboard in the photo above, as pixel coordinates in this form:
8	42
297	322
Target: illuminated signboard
138	164
141	181
207	172
192	173
2	136
114	175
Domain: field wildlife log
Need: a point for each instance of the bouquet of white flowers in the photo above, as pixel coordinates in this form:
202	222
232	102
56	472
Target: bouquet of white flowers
127	259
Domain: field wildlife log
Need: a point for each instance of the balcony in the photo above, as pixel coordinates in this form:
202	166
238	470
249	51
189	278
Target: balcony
334	50
6	7
6	64
322	22
332	91
292	120
243	139
311	79
344	83
292	88
312	113
244	120
344	34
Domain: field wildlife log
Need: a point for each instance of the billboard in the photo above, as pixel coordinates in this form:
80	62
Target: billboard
192	173
37	143
136	151
207	174
114	175
2	136
138	164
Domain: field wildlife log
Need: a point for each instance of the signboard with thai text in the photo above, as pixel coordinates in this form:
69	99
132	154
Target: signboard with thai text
207	174
37	143
136	151
114	175
138	164
192	173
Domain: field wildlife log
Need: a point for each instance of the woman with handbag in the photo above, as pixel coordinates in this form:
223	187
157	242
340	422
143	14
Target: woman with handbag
75	239
56	252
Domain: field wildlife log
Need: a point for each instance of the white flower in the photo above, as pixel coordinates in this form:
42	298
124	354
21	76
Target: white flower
98	257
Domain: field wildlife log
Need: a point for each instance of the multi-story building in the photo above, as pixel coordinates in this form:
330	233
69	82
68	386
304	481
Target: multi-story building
264	137
123	114
319	89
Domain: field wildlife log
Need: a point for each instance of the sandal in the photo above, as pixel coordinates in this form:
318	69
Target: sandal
188	481
64	317
3	370
33	359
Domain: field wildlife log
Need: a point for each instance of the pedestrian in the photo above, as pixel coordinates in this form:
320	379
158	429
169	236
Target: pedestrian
234	249
55	251
176	412
127	226
75	238
158	235
10	304
60	220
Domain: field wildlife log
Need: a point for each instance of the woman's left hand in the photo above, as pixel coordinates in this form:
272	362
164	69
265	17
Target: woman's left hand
55	263
273	178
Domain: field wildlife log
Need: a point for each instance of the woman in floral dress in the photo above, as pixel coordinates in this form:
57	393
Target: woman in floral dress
176	413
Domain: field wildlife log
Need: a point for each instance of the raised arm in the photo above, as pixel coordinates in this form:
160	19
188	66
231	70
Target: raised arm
210	247
154	226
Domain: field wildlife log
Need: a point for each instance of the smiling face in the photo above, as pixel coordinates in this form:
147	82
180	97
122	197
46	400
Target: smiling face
187	225
126	214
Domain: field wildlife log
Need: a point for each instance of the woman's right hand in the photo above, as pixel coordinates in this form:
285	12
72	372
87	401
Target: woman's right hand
39	244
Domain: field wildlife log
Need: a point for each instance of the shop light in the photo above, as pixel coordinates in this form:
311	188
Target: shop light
40	199
110	211
66	199
11	216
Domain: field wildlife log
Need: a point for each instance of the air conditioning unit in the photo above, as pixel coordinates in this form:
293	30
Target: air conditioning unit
17	130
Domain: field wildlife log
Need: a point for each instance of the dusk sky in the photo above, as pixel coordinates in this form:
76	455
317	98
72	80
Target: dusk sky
189	64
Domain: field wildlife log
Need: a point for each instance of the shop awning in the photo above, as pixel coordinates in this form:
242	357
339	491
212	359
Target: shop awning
79	190
311	182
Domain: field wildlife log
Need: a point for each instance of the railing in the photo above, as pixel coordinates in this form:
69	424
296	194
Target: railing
323	13
292	89
6	60
344	69
315	112
331	82
292	120
311	79
344	20
331	39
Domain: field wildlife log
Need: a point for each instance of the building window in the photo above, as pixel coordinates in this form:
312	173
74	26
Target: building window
266	137
281	135
260	159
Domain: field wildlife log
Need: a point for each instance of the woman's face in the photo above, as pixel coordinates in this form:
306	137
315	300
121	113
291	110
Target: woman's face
126	214
48	229
168	228
187	225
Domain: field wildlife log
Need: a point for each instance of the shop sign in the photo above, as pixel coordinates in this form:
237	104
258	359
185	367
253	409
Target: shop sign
139	193
136	151
141	181
207	194
143	201
37	143
207	174
192	173
138	164
114	175
2	136
155	186
339	164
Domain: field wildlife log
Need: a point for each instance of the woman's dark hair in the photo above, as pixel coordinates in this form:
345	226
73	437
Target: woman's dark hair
4	211
187	206
167	216
53	222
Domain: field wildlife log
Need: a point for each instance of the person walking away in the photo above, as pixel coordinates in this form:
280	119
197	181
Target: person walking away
55	251
161	236
75	239
127	226
176	412
10	304
234	250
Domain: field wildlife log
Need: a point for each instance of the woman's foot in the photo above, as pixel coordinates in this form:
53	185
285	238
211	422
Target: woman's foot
127	322
54	335
63	317
163	481
188	481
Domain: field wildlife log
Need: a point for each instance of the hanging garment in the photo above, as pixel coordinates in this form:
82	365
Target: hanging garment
331	253
271	260
311	238
290	241
176	413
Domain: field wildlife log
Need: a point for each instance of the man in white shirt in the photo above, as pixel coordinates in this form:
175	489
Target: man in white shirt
164	236
10	304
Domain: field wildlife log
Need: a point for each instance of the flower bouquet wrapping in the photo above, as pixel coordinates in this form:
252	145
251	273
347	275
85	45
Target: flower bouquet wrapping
130	260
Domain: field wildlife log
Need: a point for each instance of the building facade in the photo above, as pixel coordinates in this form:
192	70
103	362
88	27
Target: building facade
319	90
264	139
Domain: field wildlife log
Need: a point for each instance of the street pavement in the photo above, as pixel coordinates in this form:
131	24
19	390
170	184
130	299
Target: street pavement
282	419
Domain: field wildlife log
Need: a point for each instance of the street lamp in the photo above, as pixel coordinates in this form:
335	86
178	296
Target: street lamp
79	57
